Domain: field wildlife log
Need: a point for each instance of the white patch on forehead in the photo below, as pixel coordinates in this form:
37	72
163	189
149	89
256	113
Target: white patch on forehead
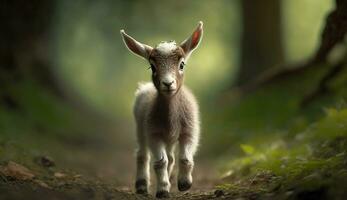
166	47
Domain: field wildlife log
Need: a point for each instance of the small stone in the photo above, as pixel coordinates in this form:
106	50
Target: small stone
219	193
289	193
46	161
17	171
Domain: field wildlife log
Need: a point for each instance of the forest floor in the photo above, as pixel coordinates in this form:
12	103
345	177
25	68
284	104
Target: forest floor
93	160
94	168
84	168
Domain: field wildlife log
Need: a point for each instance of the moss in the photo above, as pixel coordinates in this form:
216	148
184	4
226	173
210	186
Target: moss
316	158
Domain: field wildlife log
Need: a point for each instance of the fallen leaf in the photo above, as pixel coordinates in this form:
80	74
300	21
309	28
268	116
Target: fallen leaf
42	184
17	171
59	175
227	174
77	176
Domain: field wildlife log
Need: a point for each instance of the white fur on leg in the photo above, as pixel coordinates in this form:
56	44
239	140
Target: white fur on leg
186	162
160	164
171	158
143	160
187	149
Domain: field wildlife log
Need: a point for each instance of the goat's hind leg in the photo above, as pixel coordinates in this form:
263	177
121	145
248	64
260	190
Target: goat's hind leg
142	164
142	171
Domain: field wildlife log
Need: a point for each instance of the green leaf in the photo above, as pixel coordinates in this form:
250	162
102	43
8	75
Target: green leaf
248	149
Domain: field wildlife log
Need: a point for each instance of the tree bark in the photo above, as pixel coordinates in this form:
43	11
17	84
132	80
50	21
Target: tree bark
25	46
334	32
261	43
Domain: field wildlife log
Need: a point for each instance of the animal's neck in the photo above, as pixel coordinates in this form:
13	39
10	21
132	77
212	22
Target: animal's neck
169	102
165	109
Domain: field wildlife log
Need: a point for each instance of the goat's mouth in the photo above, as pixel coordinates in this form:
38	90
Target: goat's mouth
168	91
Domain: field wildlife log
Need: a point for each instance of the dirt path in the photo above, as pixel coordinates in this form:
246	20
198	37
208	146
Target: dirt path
115	165
72	185
28	190
100	167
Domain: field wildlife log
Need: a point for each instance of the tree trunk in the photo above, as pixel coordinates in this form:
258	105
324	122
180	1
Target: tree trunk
261	43
25	46
334	32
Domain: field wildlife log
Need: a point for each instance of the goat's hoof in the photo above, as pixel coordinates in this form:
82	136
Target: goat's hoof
184	185
162	194
141	186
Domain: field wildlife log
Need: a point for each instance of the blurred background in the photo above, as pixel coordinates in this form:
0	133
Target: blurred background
67	81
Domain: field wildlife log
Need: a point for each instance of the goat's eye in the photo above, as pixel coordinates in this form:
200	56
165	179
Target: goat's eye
153	68
182	65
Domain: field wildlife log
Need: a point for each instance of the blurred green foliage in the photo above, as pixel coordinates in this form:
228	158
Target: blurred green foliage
91	57
314	158
93	61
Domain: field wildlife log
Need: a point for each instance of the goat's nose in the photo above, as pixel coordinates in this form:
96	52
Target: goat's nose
168	84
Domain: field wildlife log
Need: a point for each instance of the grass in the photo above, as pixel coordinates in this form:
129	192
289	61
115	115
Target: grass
316	158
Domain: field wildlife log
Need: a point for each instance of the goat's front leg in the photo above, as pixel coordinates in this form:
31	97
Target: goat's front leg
160	165
170	150
188	143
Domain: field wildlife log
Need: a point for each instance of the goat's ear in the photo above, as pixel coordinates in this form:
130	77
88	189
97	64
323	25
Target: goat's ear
136	47
191	43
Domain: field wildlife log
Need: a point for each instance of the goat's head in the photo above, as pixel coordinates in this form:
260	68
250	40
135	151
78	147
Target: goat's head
167	60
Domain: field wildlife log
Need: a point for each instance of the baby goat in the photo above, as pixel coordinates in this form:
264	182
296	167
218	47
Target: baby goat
166	113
